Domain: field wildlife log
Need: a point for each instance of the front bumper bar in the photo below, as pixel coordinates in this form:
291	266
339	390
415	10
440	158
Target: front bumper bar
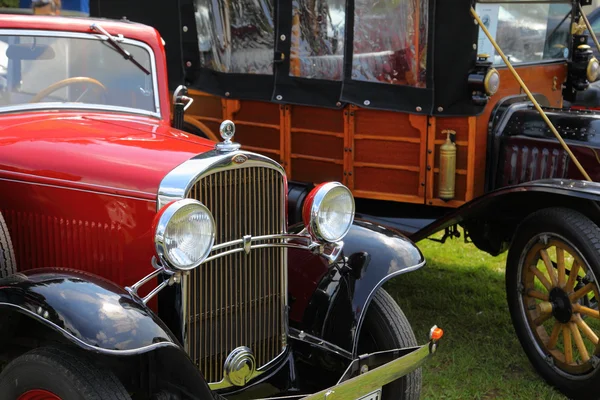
404	361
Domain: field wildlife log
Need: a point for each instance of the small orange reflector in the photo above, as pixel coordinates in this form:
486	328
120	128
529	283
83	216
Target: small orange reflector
437	333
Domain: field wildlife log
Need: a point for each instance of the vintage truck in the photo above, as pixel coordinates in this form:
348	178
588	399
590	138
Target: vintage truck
411	104
140	261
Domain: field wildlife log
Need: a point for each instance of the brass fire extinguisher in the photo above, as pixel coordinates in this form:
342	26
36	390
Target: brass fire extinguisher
447	166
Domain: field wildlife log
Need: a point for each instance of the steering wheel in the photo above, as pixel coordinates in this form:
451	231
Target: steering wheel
99	87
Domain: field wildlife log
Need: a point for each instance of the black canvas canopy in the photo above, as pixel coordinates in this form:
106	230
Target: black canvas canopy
403	55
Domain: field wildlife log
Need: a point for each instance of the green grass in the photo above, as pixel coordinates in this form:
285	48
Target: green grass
462	290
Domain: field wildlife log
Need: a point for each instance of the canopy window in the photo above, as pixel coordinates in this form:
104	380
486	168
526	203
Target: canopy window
390	42
236	36
527	33
317	49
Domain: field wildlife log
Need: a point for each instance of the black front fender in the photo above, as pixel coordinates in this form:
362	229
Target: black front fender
372	255
493	218
88	311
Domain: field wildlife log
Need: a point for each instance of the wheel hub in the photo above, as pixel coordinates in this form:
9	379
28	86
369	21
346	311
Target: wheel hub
38	394
561	305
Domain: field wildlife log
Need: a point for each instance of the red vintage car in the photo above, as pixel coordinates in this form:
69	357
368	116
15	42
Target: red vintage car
150	263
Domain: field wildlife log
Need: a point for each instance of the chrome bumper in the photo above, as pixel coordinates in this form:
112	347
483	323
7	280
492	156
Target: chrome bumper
404	361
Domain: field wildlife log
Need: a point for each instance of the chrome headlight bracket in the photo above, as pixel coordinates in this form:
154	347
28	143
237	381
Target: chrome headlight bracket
170	278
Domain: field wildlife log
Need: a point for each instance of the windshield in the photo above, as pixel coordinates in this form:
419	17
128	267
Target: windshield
38	71
526	33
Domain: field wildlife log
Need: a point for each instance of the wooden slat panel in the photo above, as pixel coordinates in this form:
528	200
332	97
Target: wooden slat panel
385	123
256	136
316	171
430	160
321	119
386	152
285	117
386	181
257	111
318	145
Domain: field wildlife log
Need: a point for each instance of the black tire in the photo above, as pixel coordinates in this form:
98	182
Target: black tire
8	265
386	328
577	379
62	373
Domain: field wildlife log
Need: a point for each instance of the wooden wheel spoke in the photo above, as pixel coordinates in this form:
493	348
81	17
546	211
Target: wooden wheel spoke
549	266
567	344
586	311
554	336
579	342
587	331
541	277
560	260
537	295
542	318
572	277
582	292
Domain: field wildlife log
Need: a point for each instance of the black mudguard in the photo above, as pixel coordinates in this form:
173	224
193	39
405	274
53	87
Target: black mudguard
98	316
341	294
493	218
91	312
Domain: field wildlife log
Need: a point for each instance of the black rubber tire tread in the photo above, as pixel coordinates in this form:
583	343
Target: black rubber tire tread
584	234
389	328
8	264
63	369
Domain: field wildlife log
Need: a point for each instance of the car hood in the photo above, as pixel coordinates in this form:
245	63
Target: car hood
120	154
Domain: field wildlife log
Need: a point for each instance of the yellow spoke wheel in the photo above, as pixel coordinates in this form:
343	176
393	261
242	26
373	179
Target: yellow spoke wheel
552	292
555	291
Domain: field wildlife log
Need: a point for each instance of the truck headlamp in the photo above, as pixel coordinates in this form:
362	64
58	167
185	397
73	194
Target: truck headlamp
491	83
593	69
328	212
184	233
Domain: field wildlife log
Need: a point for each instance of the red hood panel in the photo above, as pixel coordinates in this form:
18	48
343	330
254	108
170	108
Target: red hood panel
122	153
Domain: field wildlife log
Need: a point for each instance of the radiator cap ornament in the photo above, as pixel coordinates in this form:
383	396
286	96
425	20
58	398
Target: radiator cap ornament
239	366
227	130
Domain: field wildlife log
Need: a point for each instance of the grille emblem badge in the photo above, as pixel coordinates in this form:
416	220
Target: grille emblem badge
239	366
240	158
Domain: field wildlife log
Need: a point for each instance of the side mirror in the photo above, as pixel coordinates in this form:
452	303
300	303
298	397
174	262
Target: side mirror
181	102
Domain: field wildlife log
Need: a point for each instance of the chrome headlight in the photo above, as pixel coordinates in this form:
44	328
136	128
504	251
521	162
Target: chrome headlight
491	83
328	212
184	233
593	69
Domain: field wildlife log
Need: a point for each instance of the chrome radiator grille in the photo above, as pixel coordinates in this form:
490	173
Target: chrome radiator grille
238	299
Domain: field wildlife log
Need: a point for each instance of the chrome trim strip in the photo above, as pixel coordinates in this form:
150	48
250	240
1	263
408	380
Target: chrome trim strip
88	36
75	106
375	288
177	183
330	251
374	379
